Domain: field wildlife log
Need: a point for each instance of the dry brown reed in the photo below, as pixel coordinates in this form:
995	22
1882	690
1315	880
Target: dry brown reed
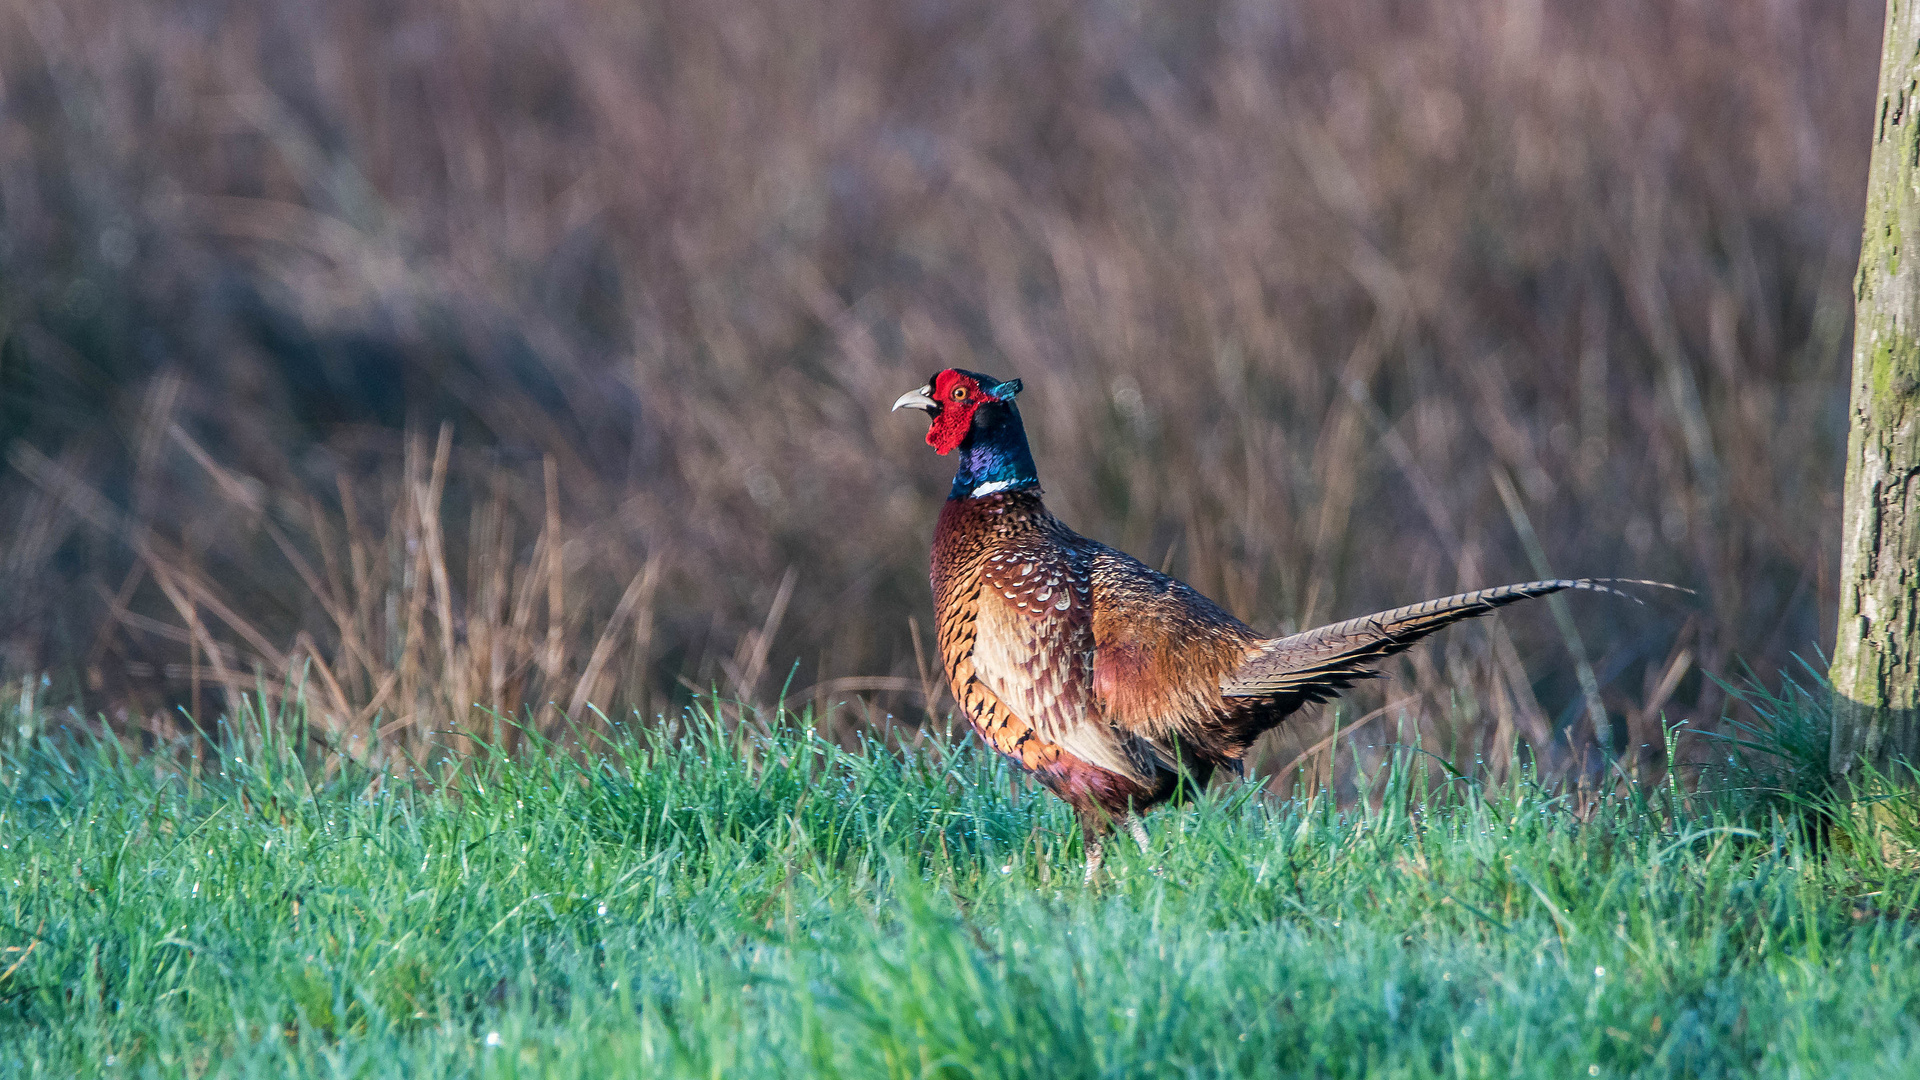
431	354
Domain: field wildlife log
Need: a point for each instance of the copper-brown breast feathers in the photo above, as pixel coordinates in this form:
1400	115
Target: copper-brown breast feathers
964	541
1034	649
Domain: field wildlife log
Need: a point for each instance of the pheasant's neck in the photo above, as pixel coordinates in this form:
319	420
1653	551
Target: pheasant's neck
994	456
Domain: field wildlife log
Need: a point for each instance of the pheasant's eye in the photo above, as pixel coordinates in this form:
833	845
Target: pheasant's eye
959	393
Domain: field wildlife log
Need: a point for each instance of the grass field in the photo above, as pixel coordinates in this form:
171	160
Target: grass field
768	904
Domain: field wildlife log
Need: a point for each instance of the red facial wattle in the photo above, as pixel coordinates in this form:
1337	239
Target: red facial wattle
958	396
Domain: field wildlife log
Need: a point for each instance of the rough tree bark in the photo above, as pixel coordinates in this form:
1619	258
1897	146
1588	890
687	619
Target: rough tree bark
1876	659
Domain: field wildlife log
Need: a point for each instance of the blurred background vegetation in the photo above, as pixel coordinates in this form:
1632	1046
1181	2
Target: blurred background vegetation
423	353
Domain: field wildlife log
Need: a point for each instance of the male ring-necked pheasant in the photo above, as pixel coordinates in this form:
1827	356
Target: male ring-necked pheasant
1101	677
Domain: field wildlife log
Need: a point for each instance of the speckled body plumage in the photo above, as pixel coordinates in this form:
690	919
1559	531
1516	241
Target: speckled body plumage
1074	659
1107	680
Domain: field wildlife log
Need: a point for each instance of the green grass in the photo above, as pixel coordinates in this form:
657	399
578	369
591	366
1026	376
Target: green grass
772	906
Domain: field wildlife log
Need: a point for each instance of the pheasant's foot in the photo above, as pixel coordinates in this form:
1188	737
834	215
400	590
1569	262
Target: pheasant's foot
1138	830
1096	855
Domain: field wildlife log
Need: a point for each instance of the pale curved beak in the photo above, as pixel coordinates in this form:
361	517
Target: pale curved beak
917	399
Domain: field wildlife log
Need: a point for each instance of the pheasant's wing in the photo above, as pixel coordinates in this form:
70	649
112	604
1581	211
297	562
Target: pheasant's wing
1161	650
1034	649
1317	664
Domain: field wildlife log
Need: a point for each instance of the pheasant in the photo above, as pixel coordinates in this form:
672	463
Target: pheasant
1104	679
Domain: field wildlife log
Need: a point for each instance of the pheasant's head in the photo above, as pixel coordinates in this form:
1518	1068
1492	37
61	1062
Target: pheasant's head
975	414
953	398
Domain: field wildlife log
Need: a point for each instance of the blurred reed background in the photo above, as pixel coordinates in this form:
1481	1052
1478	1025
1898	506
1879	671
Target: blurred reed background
427	353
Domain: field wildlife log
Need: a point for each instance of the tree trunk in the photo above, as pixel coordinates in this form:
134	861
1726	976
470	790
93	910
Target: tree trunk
1876	659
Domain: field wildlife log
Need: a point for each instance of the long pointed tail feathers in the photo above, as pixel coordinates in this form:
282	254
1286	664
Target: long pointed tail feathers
1314	665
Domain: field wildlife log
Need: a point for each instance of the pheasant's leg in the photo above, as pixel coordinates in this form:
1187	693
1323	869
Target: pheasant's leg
1138	830
1094	827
